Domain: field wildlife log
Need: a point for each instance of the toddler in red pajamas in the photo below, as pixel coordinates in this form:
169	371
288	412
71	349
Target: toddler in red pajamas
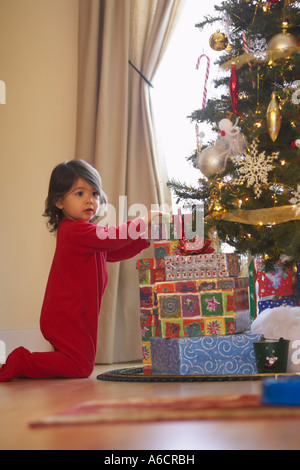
78	275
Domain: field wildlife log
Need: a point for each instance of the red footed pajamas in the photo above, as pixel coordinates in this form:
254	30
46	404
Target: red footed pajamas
71	307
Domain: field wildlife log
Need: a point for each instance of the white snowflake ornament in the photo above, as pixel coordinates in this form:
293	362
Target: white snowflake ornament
253	168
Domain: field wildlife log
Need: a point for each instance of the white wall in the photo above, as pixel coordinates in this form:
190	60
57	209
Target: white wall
38	63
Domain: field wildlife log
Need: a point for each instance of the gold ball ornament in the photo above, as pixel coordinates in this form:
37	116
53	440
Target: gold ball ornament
217	211
282	45
273	118
218	41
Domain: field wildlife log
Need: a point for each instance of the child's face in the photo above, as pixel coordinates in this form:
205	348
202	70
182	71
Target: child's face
81	202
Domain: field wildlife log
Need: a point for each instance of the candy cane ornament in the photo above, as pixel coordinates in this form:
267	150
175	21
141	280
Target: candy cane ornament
206	77
246	49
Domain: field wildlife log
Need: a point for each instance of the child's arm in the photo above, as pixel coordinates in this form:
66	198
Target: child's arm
131	236
129	251
91	238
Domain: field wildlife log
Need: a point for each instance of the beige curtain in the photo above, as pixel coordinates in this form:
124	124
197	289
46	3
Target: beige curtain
115	133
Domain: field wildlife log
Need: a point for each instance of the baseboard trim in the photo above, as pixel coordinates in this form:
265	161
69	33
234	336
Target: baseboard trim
31	339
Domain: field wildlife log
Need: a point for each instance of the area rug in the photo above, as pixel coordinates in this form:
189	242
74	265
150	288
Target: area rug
140	410
135	374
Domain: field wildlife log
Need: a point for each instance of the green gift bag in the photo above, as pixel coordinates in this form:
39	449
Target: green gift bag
271	355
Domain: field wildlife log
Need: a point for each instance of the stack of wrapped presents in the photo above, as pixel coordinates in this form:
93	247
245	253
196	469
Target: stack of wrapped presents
194	307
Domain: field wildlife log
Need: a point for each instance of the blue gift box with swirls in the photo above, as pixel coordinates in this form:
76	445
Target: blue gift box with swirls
207	355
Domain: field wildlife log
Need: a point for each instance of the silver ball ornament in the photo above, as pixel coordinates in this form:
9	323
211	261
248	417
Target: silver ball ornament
212	160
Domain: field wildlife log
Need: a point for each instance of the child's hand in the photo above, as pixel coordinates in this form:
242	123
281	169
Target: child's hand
155	217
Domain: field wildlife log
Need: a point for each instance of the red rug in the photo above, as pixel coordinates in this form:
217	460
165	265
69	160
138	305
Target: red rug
138	410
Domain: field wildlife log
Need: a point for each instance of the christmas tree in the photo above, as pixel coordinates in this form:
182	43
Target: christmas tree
250	175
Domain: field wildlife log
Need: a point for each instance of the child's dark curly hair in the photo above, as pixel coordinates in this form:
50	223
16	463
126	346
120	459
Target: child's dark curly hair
62	179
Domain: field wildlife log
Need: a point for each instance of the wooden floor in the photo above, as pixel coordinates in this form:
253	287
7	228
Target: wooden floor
23	401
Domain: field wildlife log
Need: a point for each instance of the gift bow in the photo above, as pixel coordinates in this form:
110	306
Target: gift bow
278	271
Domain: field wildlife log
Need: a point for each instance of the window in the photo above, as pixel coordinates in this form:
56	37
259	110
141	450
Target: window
178	90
